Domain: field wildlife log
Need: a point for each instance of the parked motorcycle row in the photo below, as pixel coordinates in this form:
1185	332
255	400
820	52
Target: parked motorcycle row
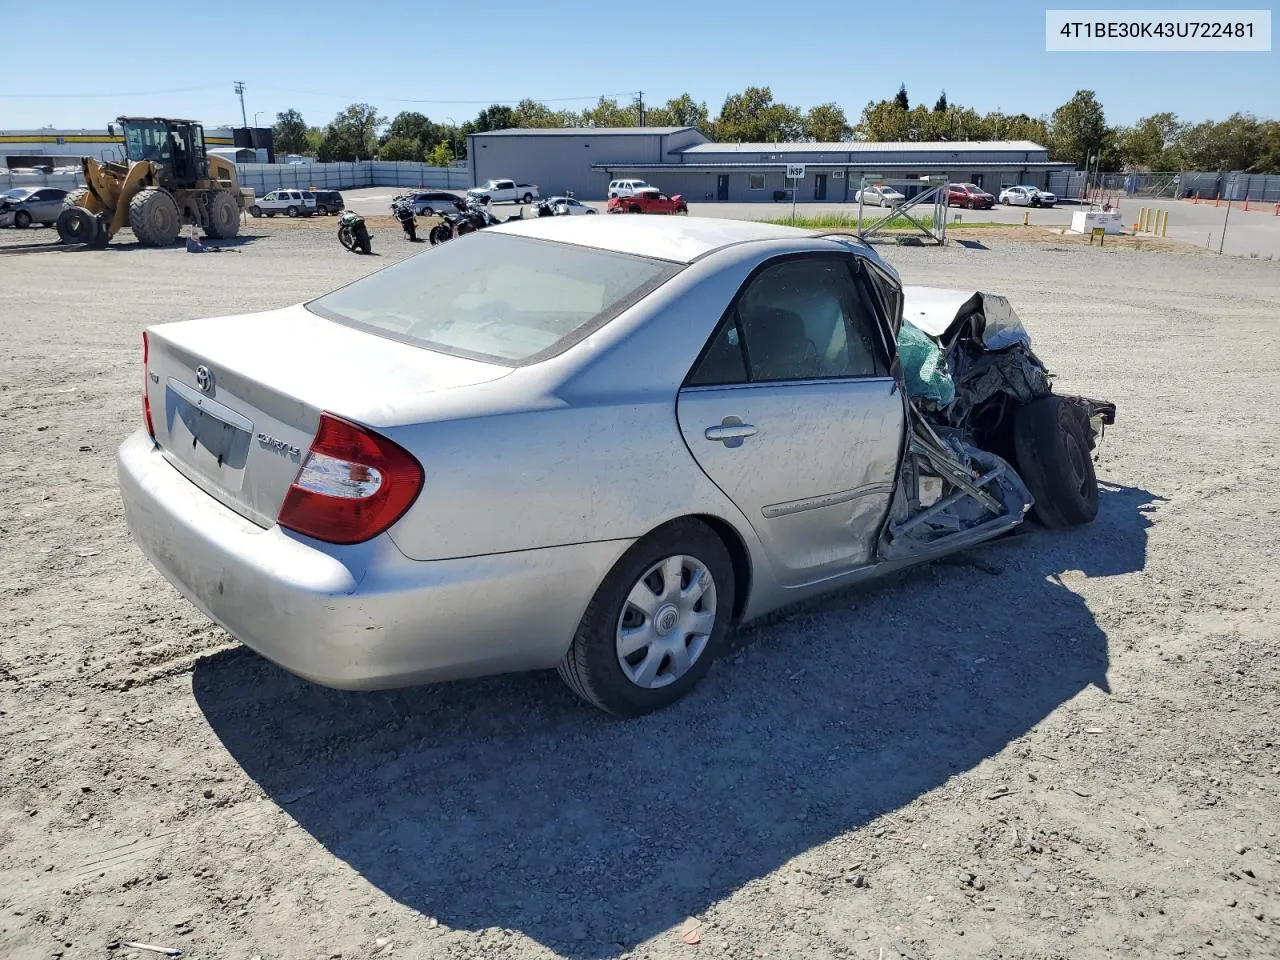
471	215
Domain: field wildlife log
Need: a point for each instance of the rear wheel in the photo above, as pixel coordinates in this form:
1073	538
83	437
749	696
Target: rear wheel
655	624
224	216
154	218
292	211
527	198
1052	447
77	225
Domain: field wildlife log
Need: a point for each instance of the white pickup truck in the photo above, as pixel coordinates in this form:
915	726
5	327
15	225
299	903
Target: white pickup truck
505	191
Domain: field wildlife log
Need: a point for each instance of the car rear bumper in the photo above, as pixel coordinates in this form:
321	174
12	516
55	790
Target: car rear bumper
363	616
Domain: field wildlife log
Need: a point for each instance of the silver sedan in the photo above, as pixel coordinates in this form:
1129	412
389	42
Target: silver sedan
23	206
591	443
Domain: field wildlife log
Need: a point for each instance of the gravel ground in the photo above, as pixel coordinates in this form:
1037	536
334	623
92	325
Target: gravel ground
1060	746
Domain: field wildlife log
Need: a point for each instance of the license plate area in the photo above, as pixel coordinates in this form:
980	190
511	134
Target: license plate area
207	435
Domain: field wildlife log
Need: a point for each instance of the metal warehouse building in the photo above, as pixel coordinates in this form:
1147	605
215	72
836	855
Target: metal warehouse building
682	160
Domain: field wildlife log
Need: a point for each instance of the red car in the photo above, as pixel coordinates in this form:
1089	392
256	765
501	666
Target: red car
969	195
648	201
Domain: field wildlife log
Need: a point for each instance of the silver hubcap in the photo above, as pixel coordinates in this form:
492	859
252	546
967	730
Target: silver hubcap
666	622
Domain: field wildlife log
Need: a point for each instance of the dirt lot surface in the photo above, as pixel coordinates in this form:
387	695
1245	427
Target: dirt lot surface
1064	745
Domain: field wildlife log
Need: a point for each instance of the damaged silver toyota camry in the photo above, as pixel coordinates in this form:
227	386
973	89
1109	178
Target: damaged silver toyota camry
591	443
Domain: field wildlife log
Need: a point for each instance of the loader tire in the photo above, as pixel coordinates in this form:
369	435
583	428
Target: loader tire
1051	442
75	198
154	217
76	225
224	216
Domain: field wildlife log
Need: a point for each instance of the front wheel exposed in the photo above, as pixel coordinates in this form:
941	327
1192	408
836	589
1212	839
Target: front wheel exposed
255	211
1052	443
655	624
527	198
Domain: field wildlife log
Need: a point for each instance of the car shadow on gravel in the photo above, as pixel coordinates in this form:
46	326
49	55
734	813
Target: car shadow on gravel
506	803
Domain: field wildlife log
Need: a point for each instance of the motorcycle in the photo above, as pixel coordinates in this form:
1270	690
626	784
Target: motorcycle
472	215
403	211
353	234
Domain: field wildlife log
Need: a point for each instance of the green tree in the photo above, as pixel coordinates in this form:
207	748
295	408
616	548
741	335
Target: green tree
1269	154
400	148
940	105
496	117
884	120
901	98
1078	129
1145	145
411	125
290	132
826	123
441	155
607	113
352	135
753	117
531	113
681	111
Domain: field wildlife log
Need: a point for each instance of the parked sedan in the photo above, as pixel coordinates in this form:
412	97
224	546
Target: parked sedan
22	206
1027	196
969	195
428	203
879	196
592	443
648	200
563	207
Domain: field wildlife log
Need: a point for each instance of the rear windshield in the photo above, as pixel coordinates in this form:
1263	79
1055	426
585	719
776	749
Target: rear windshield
496	297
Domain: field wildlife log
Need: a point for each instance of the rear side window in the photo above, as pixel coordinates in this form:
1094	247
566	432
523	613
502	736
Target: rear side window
496	297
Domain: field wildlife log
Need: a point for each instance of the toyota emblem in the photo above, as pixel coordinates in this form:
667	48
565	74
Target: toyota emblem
204	378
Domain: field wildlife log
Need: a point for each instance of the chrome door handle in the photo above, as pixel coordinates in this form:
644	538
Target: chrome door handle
731	431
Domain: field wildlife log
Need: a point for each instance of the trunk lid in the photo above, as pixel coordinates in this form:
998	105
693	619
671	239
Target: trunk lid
236	401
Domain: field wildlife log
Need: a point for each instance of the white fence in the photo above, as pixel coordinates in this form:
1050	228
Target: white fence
265	177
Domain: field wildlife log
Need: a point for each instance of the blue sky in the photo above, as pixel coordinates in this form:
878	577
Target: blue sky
388	53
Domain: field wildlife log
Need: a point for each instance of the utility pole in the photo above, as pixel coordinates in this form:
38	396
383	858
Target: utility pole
640	108
244	118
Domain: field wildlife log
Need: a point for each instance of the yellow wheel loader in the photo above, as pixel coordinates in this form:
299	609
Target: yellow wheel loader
167	179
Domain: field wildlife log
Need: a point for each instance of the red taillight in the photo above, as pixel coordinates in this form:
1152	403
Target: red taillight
352	486
146	394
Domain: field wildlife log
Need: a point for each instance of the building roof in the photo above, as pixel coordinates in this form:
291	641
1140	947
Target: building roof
681	239
924	164
872	146
579	131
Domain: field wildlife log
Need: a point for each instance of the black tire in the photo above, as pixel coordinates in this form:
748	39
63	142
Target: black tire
1052	448
224	216
75	198
439	234
591	667
427	212
154	217
292	211
77	225
22	219
346	238
527	198
255	211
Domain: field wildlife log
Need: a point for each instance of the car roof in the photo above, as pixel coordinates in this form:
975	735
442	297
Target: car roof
681	239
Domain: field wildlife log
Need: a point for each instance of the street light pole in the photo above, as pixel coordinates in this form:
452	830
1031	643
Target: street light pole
256	115
453	129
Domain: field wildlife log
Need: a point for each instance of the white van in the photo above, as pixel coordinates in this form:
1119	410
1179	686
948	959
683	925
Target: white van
627	188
